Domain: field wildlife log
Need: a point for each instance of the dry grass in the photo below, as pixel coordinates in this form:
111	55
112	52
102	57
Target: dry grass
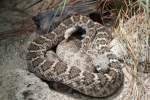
135	77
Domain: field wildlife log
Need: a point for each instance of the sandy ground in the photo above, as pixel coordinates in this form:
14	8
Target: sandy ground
16	83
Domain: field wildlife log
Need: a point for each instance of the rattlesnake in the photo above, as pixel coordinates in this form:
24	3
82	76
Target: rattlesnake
94	46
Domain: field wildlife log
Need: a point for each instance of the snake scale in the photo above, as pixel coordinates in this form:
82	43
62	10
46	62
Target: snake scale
49	66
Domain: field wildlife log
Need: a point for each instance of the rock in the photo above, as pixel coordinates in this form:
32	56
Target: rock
21	85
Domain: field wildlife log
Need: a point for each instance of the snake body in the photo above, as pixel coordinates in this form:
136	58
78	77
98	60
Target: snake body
49	66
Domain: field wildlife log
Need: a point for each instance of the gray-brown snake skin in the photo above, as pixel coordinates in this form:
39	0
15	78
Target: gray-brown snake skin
100	84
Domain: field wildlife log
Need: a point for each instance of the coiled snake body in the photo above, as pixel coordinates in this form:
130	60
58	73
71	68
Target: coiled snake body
48	66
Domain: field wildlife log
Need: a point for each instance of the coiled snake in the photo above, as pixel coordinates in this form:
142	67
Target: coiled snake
93	50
